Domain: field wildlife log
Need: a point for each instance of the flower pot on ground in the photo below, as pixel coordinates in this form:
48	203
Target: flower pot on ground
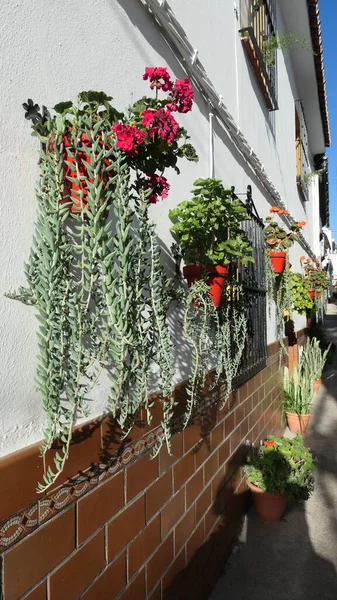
215	277
297	397
279	470
317	384
208	231
297	423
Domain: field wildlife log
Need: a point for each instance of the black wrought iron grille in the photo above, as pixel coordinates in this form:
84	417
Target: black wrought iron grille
252	279
258	19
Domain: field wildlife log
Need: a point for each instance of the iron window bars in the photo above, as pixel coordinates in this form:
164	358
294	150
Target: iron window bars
302	150
258	18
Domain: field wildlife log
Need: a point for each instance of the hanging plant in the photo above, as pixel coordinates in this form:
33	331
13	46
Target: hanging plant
278	240
208	231
299	287
94	272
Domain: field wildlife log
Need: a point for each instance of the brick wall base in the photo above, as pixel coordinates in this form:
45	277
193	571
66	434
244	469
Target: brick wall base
138	527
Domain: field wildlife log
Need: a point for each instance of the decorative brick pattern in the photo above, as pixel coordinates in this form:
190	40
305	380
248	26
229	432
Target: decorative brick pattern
145	528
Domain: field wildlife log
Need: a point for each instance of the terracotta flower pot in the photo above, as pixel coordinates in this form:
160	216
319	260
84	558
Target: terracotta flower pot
318	295
269	507
317	383
278	261
297	423
215	279
311	294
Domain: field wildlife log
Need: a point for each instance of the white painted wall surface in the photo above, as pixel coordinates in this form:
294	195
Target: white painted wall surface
50	51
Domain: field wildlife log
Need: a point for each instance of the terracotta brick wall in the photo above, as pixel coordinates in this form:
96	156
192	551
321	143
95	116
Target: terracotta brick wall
131	527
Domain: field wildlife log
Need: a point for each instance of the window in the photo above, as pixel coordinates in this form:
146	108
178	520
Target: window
302	151
258	32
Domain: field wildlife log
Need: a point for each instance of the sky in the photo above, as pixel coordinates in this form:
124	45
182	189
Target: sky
328	15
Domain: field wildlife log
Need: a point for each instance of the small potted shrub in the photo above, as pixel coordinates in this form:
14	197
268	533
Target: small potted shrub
299	287
317	279
208	231
278	240
313	360
297	397
279	470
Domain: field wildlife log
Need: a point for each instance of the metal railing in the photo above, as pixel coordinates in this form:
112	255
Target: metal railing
303	166
258	19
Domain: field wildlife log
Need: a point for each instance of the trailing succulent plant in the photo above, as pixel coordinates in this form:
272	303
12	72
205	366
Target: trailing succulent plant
94	273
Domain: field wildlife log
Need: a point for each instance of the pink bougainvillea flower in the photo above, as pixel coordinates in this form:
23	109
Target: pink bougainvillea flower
182	96
159	186
155	75
160	122
129	137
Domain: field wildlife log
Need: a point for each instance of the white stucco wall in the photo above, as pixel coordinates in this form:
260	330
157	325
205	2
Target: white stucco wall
50	52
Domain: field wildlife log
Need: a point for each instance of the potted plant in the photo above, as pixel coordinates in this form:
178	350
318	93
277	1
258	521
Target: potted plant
208	231
297	397
299	287
313	360
317	278
280	469
278	240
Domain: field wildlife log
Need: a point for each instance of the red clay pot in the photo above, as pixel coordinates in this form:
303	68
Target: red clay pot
317	383
215	279
269	507
278	261
311	294
318	294
297	423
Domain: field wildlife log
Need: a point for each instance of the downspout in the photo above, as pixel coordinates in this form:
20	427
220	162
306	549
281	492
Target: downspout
211	142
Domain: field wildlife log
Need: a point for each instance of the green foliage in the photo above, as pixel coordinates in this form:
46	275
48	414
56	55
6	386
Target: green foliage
283	303
277	239
301	301
285	41
314	358
308	177
297	390
318	279
208	227
282	466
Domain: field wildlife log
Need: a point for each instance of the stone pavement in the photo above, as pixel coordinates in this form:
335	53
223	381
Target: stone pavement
295	559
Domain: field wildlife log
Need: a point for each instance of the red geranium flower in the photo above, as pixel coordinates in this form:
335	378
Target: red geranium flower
128	138
160	122
155	74
182	96
159	186
269	444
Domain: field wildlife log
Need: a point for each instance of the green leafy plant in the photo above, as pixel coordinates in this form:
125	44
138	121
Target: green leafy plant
284	41
313	358
299	286
297	390
308	177
94	273
316	277
208	227
282	466
277	239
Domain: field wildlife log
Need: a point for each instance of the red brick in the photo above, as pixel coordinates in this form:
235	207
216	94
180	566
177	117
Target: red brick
140	475
136	589
158	563
202	451
217	482
192	435
203	503
124	528
22	570
110	583
69	580
211	519
196	540
224	452
40	593
158	494
235	439
99	506
217	435
194	487
184	529
156	594
211	467
177	566
183	470
229	424
165	459
143	546
172	512
244	429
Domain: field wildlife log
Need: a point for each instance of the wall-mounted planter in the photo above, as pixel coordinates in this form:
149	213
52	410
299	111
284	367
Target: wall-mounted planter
255	63
215	278
278	261
311	294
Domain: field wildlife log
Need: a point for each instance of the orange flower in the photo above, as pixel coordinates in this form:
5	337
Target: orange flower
274	209
302	258
283	212
268	444
301	224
